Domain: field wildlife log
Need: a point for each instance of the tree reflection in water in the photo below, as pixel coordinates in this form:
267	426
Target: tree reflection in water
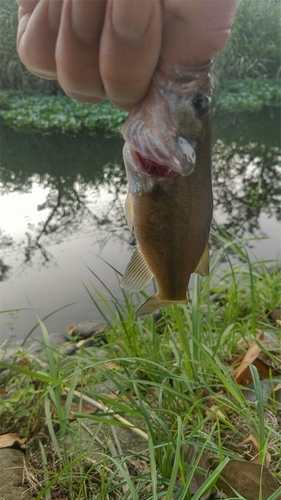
76	172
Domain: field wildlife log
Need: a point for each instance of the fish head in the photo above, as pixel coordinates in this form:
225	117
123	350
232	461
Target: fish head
163	133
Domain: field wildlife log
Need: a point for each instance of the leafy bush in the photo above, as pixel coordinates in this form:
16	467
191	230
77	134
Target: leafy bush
249	94
51	113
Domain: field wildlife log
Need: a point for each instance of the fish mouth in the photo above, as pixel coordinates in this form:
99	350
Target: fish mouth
153	169
156	155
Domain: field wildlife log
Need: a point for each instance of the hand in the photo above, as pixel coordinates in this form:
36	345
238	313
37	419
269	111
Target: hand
110	48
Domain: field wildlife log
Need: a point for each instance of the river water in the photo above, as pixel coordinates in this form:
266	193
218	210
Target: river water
62	219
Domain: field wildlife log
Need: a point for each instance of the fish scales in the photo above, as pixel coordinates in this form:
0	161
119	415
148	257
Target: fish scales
167	155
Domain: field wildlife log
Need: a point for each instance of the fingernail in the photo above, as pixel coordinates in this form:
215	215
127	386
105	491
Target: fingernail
54	13
87	19
131	18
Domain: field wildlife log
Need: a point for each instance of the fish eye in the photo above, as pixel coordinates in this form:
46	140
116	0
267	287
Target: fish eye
201	102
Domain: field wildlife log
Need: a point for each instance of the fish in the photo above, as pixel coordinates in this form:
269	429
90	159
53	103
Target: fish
167	157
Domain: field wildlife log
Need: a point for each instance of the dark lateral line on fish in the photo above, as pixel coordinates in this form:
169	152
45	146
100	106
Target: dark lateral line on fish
153	169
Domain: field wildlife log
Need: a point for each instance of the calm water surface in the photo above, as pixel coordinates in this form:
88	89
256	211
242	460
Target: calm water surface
62	216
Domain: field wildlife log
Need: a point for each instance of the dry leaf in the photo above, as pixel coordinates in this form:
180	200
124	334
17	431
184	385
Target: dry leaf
190	457
3	391
113	396
85	408
216	413
275	314
12	440
71	329
246	478
255	450
242	373
111	365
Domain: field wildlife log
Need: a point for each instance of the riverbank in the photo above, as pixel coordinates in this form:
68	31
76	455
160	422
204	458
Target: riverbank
159	406
46	114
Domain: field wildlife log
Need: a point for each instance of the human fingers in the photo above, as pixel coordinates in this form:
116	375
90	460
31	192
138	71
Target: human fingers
129	50
77	50
37	34
194	31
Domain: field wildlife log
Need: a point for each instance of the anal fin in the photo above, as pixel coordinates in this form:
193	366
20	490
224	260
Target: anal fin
153	304
203	264
137	274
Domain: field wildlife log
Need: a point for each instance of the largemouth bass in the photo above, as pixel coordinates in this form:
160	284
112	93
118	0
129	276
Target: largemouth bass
167	155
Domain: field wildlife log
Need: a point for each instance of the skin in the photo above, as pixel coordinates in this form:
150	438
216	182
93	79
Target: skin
110	48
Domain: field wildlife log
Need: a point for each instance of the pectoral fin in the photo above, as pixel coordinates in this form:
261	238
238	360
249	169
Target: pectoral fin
137	274
203	264
153	304
129	213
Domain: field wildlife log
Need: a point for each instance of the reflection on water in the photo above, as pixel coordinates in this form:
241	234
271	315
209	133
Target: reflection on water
246	169
60	190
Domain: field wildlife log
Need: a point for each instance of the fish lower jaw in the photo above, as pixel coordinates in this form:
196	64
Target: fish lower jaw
152	169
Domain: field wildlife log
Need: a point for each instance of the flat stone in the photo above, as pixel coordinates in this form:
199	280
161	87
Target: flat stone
266	389
87	328
11	466
106	387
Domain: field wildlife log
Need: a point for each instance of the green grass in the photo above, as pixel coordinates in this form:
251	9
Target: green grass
169	373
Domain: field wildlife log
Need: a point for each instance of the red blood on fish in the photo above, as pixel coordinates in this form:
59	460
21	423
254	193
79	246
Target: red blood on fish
152	168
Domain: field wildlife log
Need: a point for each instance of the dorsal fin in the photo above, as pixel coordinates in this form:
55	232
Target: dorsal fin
137	274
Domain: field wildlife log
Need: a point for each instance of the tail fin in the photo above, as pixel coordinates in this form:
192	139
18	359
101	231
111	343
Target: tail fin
153	304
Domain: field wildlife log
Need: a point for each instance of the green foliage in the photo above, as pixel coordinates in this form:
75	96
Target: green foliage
51	113
250	94
254	47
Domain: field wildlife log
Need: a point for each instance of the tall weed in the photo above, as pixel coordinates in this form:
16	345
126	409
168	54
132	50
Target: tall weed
13	74
253	49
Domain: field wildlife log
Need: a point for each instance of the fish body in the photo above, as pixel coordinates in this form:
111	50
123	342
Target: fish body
167	155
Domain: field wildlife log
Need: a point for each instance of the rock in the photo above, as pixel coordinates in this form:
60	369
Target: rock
37	345
57	339
250	394
105	387
11	487
87	328
69	350
101	353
